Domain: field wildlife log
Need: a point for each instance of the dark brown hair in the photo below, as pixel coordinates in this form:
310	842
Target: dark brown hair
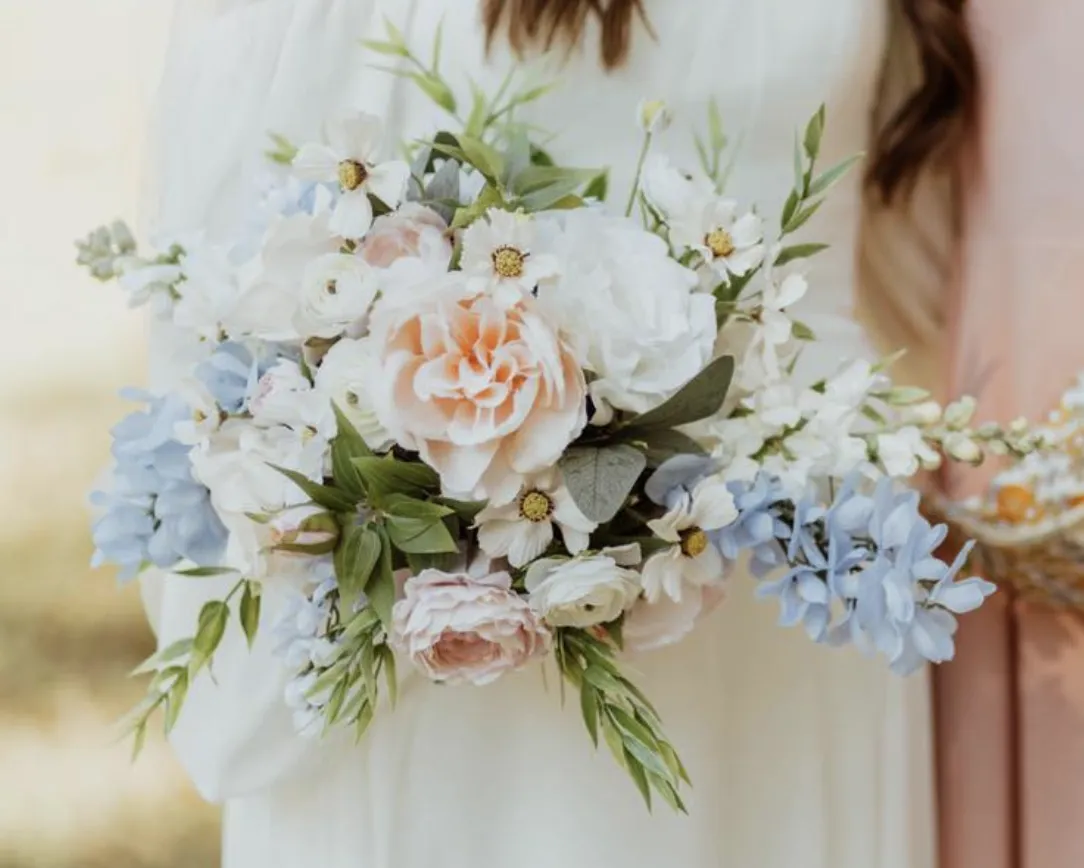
929	124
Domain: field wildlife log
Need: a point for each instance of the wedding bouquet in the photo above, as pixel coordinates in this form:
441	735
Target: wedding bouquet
473	418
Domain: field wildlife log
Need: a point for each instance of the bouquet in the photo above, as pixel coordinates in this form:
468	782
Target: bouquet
474	418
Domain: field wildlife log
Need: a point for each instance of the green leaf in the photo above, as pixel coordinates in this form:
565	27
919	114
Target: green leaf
603	680
673	762
600	478
139	738
802	216
173	651
476	120
813	132
283	151
347	445
599	187
589	708
802	332
438	41
381	587
355	558
639	776
212	626
326	496
401	506
435	88
367	667
535	178
798	251
799	167
420	536
661	444
175	701
386	476
489	198
205	572
698	399
391	677
467	510
716	134
483	157
828	178
551	196
249	613
790	207
335	703
389	49
365	717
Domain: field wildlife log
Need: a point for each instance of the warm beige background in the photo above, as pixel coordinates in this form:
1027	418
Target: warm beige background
75	79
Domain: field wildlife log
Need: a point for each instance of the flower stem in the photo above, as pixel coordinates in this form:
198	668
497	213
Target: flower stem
645	148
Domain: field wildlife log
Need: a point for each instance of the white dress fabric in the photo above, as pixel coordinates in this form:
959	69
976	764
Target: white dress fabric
801	756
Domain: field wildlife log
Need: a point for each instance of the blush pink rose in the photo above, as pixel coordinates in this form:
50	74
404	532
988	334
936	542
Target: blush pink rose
485	394
649	626
412	230
458	629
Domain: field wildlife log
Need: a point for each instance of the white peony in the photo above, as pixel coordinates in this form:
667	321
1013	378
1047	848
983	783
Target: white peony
346	377
584	591
631	314
337	290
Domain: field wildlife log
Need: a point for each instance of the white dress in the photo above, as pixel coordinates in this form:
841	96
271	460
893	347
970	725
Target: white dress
801	756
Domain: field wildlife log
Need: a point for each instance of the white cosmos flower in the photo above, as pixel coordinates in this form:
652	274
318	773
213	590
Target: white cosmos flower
500	257
337	291
349	158
584	591
730	243
523	529
774	327
346	377
669	190
692	559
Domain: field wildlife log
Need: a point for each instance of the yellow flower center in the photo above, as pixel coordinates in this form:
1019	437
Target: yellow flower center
694	542
199	416
535	506
509	262
720	243
352	174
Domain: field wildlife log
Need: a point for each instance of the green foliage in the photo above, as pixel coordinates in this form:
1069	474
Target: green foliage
701	397
600	478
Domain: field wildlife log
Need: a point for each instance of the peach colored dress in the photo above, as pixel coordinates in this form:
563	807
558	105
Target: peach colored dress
1010	710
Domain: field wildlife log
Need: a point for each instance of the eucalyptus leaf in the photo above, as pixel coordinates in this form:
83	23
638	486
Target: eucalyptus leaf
698	399
660	444
445	183
600	478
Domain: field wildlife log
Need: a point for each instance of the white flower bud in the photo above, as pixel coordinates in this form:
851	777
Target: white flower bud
900	396
926	413
306	529
958	414
654	116
960	447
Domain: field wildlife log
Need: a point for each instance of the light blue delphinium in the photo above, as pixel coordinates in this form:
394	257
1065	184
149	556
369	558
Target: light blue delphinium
233	370
677	477
156	513
869	561
758	528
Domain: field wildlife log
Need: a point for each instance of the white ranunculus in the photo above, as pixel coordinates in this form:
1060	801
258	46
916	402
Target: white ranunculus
337	290
584	591
236	465
284	396
346	377
632	315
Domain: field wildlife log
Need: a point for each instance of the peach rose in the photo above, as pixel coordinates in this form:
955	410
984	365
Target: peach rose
486	395
412	230
458	629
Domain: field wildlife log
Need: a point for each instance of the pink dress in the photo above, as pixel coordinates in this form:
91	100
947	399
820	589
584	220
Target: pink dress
1010	710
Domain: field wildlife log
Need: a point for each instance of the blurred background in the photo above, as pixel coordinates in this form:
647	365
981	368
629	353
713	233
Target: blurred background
76	78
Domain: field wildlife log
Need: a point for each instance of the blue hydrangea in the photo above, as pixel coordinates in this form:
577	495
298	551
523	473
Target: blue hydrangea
758	528
155	512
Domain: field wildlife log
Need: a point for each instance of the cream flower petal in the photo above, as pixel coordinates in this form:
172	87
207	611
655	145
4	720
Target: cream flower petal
713	505
746	231
576	541
530	540
353	214
705	569
315	162
744	261
356	137
662	575
387	181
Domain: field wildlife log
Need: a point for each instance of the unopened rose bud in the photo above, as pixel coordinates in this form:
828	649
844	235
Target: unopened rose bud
958	414
962	448
655	117
307	529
